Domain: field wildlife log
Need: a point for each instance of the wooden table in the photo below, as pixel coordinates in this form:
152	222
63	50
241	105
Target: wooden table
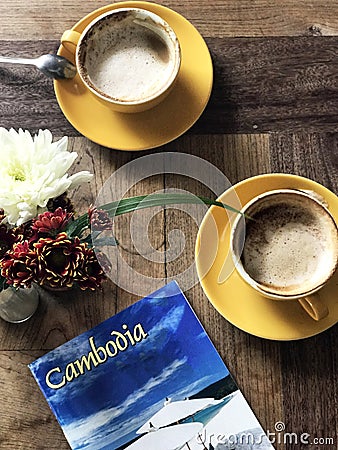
275	93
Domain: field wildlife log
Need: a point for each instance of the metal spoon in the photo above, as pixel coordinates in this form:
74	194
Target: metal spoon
54	66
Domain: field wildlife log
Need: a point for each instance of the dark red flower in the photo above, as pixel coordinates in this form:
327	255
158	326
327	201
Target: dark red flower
8	237
51	222
99	219
20	265
62	201
24	232
90	274
59	260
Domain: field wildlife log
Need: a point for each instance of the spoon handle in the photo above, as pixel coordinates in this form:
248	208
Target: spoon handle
6	59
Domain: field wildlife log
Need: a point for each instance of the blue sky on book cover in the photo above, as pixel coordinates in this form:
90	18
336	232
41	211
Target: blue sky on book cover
108	403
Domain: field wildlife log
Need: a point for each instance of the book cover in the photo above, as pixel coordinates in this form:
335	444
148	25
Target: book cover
147	378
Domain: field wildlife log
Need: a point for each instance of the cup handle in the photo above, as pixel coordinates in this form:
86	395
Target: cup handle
69	40
313	305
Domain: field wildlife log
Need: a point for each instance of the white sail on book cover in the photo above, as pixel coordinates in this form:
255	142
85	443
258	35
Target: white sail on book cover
147	378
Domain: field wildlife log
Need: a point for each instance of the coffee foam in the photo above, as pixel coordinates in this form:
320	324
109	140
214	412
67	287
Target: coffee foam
290	245
128	61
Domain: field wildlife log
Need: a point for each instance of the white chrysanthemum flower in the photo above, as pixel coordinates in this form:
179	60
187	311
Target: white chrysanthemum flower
32	171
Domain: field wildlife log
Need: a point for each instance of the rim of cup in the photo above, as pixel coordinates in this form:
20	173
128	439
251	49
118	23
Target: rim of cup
237	253
142	13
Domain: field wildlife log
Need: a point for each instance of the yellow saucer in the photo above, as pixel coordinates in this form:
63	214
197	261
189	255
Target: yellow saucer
158	126
232	297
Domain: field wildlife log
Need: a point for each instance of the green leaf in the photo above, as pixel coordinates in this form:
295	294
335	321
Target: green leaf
127	205
146	201
78	226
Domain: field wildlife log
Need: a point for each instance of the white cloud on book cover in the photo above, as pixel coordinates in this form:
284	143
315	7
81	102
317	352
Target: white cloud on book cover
85	430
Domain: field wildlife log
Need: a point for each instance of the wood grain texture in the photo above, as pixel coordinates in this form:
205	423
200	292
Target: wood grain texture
28	99
261	85
25	415
313	155
37	20
272	84
318	369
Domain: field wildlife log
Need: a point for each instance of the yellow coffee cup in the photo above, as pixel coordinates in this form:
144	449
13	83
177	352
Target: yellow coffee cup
285	246
128	58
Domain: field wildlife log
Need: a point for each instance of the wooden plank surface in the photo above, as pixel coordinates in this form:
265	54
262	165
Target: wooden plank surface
274	108
318	369
261	85
312	155
226	18
25	416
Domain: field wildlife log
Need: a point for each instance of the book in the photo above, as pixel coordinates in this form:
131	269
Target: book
147	378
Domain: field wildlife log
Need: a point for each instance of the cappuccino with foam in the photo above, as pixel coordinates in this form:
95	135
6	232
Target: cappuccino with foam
128	64
128	56
290	244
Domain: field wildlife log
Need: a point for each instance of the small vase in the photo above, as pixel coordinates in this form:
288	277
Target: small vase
18	305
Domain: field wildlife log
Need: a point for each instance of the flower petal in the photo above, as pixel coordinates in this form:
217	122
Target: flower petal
32	171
